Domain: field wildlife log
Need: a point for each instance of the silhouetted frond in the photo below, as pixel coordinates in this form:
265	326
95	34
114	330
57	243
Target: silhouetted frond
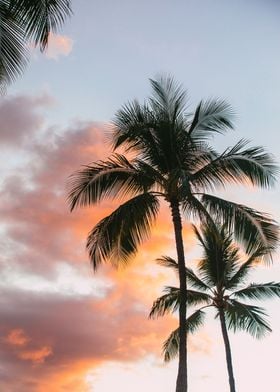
237	165
171	345
40	18
116	237
115	177
240	316
250	227
212	116
241	274
259	291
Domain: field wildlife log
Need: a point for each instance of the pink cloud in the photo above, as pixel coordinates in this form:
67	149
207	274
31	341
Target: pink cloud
17	337
63	334
37	356
59	45
21	117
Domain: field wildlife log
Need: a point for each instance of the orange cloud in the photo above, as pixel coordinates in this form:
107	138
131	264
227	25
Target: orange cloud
36	356
17	337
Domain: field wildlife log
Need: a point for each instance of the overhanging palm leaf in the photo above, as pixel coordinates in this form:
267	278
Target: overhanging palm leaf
40	18
23	22
13	52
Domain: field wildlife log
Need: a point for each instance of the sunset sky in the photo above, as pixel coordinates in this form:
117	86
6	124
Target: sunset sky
62	327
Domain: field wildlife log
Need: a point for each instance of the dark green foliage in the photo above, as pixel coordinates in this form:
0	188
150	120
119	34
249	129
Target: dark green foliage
24	22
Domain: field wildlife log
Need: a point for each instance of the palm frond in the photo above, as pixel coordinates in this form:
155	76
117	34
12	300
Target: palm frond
250	227
259	291
220	255
13	50
169	262
192	278
115	177
116	237
133	125
170	301
242	272
240	316
40	18
237	165
211	116
171	345
167	303
195	281
169	97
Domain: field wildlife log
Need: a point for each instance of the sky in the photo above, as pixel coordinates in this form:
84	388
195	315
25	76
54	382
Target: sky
63	327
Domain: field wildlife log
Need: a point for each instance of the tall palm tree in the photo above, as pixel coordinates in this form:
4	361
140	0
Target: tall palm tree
219	284
23	22
169	158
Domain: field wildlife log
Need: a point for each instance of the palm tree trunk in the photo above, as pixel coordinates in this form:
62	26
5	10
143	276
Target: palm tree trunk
182	383
228	351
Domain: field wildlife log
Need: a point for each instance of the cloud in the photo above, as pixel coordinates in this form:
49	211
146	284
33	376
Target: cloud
59	45
36	356
17	337
21	118
58	320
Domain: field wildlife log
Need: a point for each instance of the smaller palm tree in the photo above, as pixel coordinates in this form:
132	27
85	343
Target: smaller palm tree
219	284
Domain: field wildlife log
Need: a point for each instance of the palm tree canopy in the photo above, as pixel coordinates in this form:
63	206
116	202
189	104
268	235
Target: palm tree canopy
219	283
22	22
173	160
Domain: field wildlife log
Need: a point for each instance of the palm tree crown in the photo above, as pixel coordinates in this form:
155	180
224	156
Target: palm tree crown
174	161
22	22
219	283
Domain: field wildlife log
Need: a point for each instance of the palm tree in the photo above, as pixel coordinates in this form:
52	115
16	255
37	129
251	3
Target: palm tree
169	158
23	22
219	284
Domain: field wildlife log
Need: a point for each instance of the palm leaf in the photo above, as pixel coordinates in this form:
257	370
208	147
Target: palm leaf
170	301
171	345
116	237
39	18
13	51
259	291
192	278
195	281
167	303
237	165
212	116
169	97
115	177
250	227
244	269
240	316
220	255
